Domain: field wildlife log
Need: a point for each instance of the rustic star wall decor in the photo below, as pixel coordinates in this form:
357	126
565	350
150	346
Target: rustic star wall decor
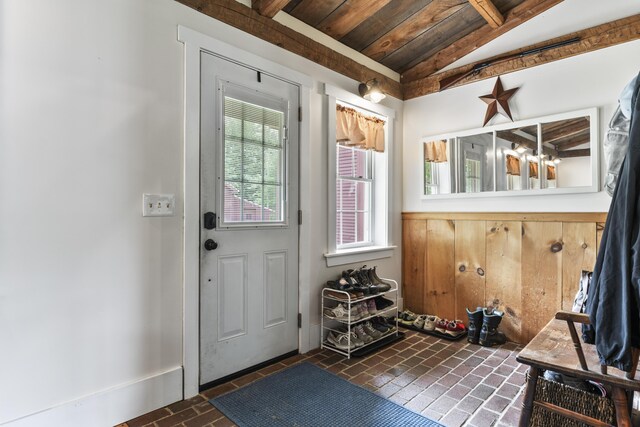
498	102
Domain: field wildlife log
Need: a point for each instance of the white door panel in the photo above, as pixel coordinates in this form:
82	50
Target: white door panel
249	178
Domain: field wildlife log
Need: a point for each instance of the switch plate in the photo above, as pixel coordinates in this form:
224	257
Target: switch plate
158	204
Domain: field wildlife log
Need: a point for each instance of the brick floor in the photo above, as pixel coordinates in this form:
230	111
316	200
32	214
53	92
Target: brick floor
455	383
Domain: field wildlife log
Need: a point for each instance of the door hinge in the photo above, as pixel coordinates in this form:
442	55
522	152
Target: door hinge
299	217
299	114
299	320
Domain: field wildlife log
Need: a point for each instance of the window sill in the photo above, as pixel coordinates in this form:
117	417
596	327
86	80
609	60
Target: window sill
350	256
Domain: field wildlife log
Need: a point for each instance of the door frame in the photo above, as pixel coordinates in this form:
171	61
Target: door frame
194	43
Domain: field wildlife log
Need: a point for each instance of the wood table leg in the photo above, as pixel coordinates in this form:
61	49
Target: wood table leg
529	395
619	397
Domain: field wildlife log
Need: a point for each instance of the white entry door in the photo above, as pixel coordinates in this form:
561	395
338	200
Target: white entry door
249	223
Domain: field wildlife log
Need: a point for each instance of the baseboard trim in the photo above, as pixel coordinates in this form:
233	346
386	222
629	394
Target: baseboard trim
110	407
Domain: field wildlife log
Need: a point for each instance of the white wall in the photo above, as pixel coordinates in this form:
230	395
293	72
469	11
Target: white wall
573	172
594	79
91	116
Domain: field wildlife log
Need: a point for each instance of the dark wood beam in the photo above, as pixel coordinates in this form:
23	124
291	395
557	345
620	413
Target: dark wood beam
552	132
467	44
248	20
508	135
574	153
594	38
573	142
488	11
348	16
268	8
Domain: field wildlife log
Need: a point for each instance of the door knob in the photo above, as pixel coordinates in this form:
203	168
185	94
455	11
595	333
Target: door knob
210	244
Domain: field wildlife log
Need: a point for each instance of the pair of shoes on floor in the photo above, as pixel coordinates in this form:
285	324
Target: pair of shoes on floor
407	317
344	341
483	327
426	322
454	328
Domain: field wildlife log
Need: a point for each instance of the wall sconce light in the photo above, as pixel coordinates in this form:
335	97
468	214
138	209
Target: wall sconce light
557	160
371	91
518	148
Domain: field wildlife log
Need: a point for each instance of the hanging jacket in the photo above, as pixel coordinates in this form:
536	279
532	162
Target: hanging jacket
616	143
613	303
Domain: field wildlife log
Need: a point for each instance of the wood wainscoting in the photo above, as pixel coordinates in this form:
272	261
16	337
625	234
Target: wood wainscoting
525	264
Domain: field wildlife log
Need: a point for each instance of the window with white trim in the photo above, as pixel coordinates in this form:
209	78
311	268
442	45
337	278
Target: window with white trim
358	205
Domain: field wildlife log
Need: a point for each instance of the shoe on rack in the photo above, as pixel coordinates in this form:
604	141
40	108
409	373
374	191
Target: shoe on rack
378	283
340	341
362	334
371	331
339	312
441	326
382	303
380	324
455	328
371	306
357	342
430	323
419	322
363	309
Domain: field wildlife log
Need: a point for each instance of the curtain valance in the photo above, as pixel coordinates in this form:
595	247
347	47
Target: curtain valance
513	165
533	170
435	151
551	172
355	129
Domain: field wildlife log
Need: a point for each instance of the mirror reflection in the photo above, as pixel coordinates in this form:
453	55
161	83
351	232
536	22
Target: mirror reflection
475	156
437	171
517	160
553	152
567	152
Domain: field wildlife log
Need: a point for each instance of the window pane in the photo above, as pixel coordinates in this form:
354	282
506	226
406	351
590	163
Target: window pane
348	227
345	161
272	165
253	163
233	160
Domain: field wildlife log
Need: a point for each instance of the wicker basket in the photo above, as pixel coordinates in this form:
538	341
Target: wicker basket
589	404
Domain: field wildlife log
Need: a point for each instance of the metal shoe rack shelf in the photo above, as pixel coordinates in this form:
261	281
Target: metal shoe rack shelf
330	324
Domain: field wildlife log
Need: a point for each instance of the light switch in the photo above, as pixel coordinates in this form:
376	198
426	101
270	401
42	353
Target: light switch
158	204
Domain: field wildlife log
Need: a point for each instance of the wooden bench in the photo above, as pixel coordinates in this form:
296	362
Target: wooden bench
558	348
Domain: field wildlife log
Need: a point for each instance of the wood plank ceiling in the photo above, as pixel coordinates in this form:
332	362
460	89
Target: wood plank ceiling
416	38
399	34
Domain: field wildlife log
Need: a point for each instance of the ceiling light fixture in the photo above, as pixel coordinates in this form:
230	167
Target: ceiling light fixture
518	147
371	91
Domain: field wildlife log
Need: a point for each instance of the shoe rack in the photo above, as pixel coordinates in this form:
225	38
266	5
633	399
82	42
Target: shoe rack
332	297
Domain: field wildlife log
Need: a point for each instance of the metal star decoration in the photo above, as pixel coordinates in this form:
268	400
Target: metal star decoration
498	102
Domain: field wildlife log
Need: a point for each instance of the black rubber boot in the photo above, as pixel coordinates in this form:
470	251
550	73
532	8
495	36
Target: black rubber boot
489	335
475	324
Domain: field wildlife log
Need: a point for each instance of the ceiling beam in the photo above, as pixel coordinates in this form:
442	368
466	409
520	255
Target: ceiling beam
573	142
489	12
268	8
248	20
467	44
524	142
594	38
574	153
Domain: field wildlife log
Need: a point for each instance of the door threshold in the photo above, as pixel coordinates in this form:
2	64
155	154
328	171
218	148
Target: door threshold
246	371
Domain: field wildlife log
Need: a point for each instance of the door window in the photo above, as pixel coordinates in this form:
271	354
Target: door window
254	168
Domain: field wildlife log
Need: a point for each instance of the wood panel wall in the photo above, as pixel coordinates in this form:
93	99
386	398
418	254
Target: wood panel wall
525	264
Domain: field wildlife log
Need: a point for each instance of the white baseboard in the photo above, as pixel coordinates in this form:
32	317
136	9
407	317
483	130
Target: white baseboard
314	336
110	407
